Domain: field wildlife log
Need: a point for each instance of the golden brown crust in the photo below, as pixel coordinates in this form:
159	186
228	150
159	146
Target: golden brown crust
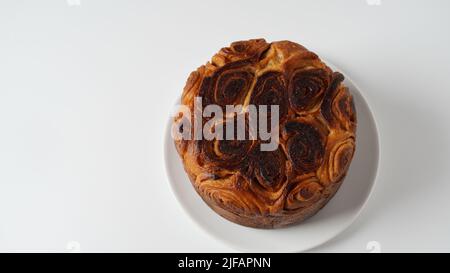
317	134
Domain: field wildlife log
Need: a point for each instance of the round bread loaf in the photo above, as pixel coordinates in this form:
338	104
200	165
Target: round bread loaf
316	133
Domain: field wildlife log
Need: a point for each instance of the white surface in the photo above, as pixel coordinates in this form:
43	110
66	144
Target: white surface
85	91
330	221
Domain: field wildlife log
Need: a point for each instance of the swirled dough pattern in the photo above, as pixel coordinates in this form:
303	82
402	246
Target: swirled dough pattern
317	133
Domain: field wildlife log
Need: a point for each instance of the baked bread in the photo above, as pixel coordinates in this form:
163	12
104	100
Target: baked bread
317	126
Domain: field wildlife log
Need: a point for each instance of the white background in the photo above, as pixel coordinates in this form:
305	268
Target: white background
85	92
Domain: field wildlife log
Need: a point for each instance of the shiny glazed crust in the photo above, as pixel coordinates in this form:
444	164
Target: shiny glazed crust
316	134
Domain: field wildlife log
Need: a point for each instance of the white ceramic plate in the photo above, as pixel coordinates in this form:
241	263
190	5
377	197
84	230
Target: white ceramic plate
334	218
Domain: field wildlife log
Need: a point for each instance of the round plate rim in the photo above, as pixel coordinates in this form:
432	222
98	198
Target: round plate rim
168	141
